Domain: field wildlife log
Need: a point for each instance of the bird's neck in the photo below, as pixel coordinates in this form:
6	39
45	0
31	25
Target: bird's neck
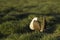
32	21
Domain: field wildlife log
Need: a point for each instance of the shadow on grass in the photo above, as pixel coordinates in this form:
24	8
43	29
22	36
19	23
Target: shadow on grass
58	38
2	35
51	25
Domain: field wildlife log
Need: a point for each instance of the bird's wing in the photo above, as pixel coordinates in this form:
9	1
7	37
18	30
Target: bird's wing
36	25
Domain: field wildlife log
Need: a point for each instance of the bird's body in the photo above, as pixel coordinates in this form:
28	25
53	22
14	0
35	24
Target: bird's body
34	25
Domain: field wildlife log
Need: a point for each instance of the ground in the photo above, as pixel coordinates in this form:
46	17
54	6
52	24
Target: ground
16	15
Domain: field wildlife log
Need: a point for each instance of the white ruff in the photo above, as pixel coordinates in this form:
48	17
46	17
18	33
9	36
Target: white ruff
31	24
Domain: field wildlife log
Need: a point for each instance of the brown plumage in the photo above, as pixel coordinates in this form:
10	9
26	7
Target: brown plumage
36	25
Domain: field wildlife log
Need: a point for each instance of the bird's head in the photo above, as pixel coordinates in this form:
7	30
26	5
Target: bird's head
35	19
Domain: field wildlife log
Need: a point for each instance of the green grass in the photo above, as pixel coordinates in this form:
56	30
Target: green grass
15	17
19	29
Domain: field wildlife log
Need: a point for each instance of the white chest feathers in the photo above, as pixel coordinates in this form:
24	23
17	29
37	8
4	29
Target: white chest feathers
31	24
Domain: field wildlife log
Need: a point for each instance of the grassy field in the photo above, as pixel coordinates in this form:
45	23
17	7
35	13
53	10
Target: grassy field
16	15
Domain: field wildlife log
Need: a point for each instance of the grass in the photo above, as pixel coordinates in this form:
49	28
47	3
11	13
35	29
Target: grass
15	17
19	29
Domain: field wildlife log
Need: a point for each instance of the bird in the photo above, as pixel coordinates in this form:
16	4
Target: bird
35	25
